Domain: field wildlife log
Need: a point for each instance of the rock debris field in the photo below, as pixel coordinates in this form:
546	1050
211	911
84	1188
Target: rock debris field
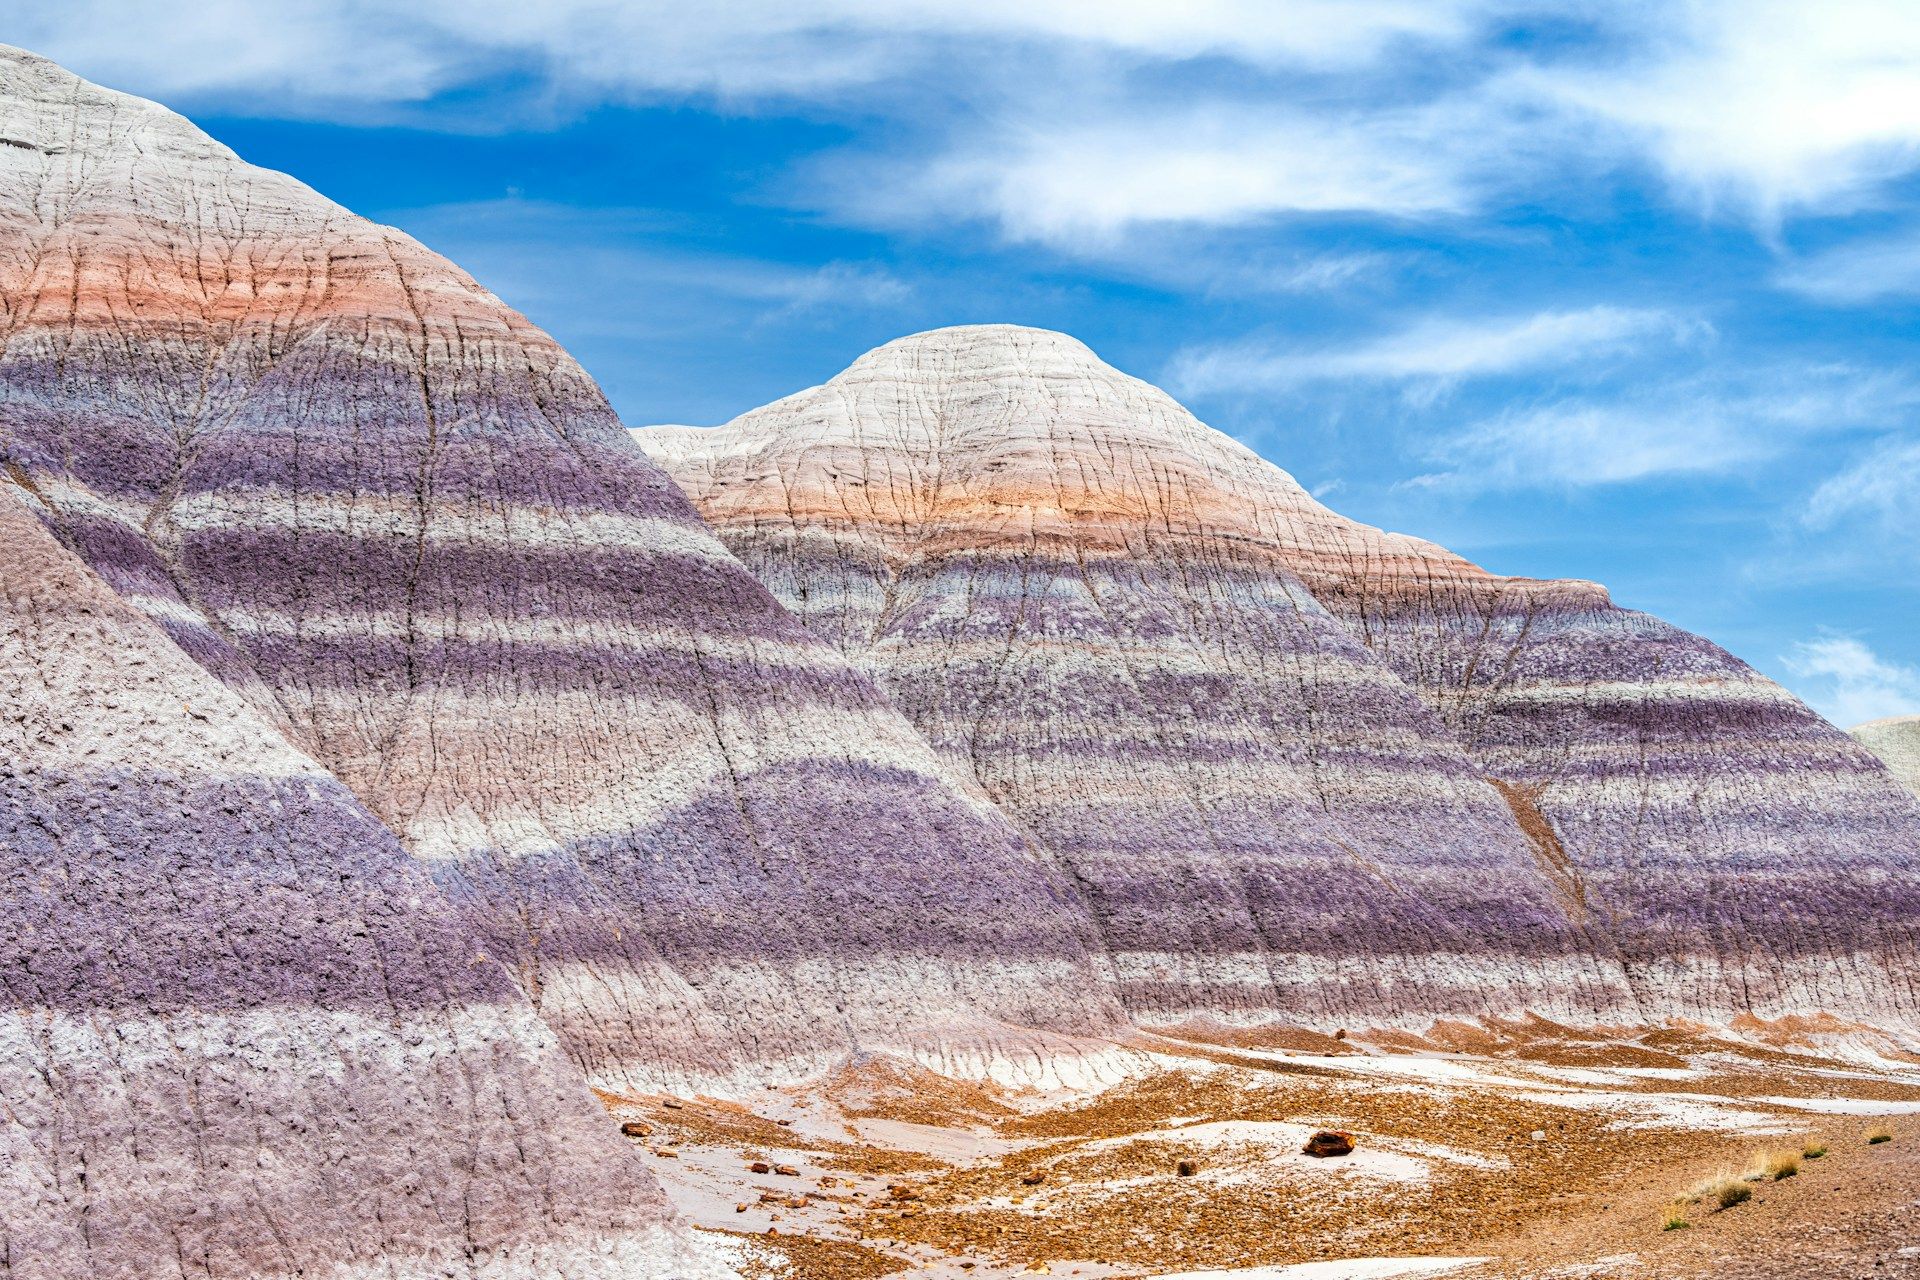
1551	1156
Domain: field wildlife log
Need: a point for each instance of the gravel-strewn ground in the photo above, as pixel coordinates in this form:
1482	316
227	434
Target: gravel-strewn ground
894	1168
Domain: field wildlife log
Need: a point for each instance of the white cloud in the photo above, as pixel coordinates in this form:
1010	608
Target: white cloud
1075	118
1853	274
1762	108
1773	105
1880	491
1710	424
1437	351
1315	274
838	285
1208	167
1020	113
1326	33
1576	445
1860	525
303	49
1849	683
635	277
335	50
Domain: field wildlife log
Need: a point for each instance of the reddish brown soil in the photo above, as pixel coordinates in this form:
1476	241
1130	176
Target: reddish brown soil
1853	1212
1583	1200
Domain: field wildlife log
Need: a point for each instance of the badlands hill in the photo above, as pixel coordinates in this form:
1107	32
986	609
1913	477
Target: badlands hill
1297	764
393	751
318	556
239	1022
404	525
1896	740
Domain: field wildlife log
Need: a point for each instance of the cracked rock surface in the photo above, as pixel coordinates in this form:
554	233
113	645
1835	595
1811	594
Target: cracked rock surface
1896	741
1297	765
241	1033
404	525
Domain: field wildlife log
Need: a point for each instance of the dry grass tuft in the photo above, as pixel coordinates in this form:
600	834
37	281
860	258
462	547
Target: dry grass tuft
1814	1150
1775	1165
1726	1191
1674	1216
1879	1135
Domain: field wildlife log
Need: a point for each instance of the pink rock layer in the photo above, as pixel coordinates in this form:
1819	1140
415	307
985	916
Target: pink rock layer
1300	767
241	1033
405	525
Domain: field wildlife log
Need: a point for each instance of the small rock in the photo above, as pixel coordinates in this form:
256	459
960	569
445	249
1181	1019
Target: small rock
1538	1135
901	1191
1187	1168
1034	1177
760	1166
667	1152
784	1124
786	1171
741	1207
636	1129
673	1104
1329	1142
1341	1034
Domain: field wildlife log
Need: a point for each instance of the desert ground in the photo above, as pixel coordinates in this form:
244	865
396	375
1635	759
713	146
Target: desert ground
1529	1151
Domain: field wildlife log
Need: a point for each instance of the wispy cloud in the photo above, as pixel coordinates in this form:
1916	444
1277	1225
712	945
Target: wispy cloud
327	51
1854	522
1758	109
1439	350
1705	425
1847	682
1859	273
1770	105
836	285
1879	490
1212	165
598	262
1573	445
1078	118
1306	274
1207	267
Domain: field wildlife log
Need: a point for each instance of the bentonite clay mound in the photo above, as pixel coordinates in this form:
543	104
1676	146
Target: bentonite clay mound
242	1033
1295	763
400	520
1896	741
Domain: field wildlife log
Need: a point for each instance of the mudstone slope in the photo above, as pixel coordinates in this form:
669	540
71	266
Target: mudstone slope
241	1033
1300	765
400	521
1896	741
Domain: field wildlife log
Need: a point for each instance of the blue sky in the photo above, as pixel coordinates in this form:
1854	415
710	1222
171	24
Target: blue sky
1622	291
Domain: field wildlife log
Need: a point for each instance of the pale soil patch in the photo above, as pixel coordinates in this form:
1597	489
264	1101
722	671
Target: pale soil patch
1848	1106
1342	1269
907	1172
